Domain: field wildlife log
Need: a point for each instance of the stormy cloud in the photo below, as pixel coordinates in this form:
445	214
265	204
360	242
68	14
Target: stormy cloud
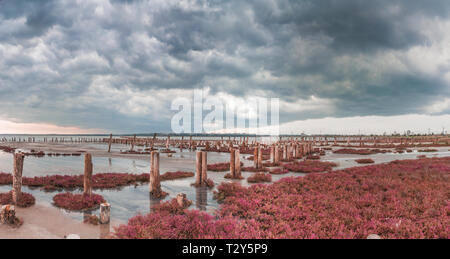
116	65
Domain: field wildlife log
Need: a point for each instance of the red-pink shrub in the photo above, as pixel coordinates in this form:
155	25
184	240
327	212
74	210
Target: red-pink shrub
254	169
176	175
78	202
355	151
219	167
309	166
401	199
260	178
365	161
27	200
279	171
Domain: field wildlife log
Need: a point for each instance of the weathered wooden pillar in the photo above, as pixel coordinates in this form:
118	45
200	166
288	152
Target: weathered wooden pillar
168	142
272	154
204	167
109	144
233	163
105	213
289	152
237	162
155	185
198	172
88	174
259	165
182	200
17	177
133	142
8	215
276	155
255	157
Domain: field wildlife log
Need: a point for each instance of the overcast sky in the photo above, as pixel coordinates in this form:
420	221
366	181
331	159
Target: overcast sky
115	66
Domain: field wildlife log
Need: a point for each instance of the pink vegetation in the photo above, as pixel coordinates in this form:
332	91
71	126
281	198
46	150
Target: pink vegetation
354	151
309	166
365	161
132	152
100	181
279	171
428	150
208	183
78	202
7	149
270	164
254	169
229	176
219	167
260	178
402	199
176	175
172	206
26	201
167	151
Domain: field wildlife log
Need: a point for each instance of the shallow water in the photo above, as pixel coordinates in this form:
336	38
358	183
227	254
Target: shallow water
130	201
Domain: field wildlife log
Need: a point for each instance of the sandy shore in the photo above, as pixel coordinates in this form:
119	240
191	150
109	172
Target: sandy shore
44	222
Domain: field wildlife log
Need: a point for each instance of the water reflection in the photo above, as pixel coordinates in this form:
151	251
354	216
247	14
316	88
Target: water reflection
153	201
105	230
201	198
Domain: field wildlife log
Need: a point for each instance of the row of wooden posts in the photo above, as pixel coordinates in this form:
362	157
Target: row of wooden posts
318	140
289	151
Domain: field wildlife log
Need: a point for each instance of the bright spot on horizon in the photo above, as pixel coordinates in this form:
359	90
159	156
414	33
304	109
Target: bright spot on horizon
10	127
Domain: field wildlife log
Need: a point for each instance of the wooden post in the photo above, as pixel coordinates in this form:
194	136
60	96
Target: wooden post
182	200
8	215
133	143
198	176
155	184
259	165
237	161
289	152
17	177
233	163
153	141
255	157
272	154
110	142
204	167
105	213
88	174
276	154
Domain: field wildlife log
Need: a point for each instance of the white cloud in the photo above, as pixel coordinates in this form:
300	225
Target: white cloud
439	106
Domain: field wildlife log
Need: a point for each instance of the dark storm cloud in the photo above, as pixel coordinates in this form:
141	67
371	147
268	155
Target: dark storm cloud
56	54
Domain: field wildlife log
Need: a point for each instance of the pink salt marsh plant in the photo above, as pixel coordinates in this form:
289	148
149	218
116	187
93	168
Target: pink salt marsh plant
401	199
77	202
309	166
260	178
